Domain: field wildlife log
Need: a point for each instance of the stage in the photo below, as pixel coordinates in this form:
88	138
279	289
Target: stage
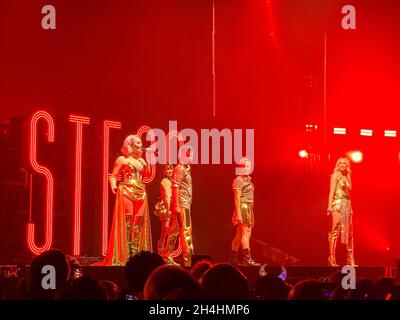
256	130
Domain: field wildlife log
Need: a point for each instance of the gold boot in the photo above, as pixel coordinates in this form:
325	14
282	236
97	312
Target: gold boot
248	260
331	257
170	261
134	243
350	258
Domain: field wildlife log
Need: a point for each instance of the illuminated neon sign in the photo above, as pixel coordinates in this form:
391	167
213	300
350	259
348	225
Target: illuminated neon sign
80	121
43	116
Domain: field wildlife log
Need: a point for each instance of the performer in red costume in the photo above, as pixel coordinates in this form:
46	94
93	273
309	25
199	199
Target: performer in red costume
130	231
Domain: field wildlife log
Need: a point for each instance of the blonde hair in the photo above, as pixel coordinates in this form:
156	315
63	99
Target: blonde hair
127	148
336	169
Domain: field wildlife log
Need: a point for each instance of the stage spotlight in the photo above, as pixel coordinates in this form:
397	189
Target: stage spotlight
311	127
355	156
303	154
366	132
339	131
390	133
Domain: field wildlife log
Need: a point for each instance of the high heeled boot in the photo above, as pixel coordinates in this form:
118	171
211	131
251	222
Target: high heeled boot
247	259
133	244
331	257
350	256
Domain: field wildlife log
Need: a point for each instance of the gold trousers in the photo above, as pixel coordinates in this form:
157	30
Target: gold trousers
181	228
165	221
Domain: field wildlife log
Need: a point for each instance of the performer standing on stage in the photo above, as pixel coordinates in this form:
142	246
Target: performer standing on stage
162	210
130	231
243	216
181	201
339	207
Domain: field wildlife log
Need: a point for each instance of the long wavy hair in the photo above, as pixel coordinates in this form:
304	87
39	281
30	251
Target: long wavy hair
127	146
336	169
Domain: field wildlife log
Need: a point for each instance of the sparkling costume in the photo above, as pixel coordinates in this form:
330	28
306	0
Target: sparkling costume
342	219
244	184
162	210
181	224
130	231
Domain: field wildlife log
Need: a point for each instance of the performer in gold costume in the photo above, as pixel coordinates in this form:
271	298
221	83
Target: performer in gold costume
243	216
130	231
181	201
162	210
339	207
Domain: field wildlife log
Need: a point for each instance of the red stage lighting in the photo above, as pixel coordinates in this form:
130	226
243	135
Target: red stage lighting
366	132
390	133
339	131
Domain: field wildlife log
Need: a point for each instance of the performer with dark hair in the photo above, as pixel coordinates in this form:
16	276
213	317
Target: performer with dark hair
339	207
130	231
162	210
243	216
